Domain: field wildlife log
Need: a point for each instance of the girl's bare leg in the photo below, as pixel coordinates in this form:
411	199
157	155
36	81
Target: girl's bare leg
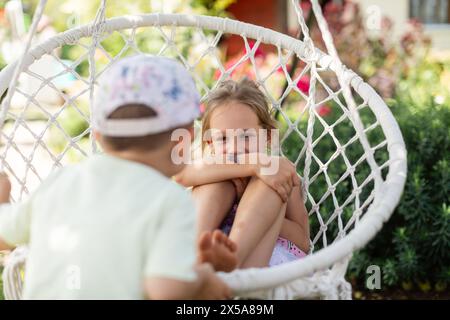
259	210
260	256
213	201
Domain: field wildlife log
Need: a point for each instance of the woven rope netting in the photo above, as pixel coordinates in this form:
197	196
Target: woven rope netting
342	154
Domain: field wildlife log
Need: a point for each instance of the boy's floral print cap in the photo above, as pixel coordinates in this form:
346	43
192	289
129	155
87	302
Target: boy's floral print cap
160	83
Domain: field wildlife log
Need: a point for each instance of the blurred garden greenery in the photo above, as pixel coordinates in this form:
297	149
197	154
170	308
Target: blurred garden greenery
413	248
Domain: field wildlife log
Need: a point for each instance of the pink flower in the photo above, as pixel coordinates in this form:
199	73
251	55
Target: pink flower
243	69
2	14
230	63
303	84
202	107
288	69
217	74
332	7
386	24
259	52
324	110
306	7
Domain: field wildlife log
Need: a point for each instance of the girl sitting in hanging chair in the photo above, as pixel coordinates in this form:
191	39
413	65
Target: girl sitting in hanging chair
263	212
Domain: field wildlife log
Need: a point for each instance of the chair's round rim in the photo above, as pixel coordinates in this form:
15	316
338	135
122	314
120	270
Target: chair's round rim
383	204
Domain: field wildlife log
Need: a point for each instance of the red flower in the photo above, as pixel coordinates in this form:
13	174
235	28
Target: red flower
243	69
259	52
227	66
288	69
303	84
217	74
305	6
332	7
323	110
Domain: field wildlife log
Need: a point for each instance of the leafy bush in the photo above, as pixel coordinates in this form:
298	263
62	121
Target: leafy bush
414	246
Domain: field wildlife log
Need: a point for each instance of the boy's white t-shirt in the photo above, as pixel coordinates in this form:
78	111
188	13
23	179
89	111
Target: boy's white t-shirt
96	229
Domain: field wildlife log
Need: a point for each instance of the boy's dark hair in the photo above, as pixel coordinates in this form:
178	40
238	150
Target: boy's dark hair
144	143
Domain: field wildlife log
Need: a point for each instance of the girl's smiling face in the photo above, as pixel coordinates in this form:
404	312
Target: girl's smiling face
237	119
234	129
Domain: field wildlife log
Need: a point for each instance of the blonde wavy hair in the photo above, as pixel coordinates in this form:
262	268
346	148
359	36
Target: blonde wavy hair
244	91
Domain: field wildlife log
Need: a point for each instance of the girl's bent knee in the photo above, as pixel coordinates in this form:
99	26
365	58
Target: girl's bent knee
258	186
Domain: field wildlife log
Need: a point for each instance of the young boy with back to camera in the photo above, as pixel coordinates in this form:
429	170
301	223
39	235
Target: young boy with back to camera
116	221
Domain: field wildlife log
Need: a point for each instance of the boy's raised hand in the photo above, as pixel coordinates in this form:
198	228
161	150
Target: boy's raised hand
283	180
207	286
213	288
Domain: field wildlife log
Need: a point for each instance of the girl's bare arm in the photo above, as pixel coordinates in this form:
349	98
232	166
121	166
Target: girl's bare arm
210	171
282	180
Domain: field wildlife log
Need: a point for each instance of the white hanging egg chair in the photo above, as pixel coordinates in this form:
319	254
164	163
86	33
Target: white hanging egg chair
321	273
